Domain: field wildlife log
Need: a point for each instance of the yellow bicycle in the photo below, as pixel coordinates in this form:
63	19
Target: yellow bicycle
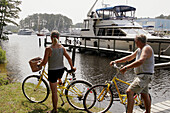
36	89
99	98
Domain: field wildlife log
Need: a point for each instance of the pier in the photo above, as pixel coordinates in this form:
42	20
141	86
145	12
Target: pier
162	107
73	42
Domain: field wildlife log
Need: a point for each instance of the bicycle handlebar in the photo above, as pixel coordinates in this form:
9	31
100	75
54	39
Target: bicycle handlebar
70	71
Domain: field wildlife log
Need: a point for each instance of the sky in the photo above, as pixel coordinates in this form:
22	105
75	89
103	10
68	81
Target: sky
77	9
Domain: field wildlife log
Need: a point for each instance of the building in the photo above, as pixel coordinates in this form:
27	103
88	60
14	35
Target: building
158	24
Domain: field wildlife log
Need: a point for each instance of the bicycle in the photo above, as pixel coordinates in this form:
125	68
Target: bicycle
36	89
99	98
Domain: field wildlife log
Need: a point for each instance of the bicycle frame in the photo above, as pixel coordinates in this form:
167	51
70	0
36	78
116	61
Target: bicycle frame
122	97
61	87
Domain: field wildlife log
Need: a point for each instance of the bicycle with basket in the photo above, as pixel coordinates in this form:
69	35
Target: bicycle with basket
36	89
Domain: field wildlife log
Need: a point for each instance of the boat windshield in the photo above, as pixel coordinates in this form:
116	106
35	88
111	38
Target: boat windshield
134	31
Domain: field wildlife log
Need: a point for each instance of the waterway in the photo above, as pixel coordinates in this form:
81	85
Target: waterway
93	68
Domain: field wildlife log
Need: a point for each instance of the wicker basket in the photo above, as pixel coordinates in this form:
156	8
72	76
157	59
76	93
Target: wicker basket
34	64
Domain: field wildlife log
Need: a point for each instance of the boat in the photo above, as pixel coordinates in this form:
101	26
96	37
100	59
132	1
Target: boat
43	32
117	22
7	32
149	29
25	32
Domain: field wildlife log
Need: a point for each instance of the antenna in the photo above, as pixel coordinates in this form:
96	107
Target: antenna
104	5
126	1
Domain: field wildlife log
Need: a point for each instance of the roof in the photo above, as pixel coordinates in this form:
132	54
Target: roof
120	8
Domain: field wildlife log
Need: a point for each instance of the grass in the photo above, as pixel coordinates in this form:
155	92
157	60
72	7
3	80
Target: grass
12	100
3	79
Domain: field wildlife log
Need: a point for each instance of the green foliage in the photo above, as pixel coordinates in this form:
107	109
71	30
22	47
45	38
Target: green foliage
163	17
49	21
79	25
8	12
3	79
13	29
2	55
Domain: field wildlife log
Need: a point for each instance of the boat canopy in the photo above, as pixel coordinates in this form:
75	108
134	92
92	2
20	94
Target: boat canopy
116	12
148	26
120	8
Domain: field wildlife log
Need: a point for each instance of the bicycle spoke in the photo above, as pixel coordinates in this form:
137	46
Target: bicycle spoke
75	93
34	90
102	100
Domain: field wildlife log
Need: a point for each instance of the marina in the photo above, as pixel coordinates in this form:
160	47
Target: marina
112	25
90	67
106	33
72	41
112	30
162	107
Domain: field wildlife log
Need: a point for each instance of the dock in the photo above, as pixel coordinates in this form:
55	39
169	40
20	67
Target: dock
162	107
162	61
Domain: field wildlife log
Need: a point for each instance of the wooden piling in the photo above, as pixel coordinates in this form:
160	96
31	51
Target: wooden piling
39	41
73	55
45	42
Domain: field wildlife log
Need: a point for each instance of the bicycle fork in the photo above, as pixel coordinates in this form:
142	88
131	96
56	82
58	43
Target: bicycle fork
105	91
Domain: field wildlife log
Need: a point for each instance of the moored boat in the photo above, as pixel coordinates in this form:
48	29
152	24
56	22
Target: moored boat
43	32
25	32
117	22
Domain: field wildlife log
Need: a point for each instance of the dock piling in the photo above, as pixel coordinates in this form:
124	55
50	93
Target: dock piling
73	55
39	42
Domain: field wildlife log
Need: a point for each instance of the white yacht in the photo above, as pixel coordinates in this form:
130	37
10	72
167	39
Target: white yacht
117	22
43	32
25	32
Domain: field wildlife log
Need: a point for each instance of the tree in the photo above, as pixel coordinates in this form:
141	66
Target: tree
8	12
163	17
50	21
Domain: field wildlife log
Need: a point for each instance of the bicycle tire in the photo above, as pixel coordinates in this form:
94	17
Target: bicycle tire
100	106
35	95
75	93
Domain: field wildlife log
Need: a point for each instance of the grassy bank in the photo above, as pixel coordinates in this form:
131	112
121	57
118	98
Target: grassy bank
3	79
12	100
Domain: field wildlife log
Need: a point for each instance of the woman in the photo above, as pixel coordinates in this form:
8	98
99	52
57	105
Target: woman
54	56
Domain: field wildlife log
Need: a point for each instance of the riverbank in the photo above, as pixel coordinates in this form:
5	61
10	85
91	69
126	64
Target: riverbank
12	100
4	79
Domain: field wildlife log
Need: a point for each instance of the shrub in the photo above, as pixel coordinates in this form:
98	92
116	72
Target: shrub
2	56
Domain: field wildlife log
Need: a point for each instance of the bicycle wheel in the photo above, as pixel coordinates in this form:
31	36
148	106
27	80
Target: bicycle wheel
75	93
33	92
103	99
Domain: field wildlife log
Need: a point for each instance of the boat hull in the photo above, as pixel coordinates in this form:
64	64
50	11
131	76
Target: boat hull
38	34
